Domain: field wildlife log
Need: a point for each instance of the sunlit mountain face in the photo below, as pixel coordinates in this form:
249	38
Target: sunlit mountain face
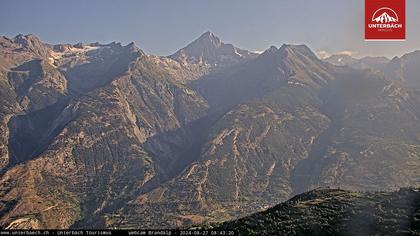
108	136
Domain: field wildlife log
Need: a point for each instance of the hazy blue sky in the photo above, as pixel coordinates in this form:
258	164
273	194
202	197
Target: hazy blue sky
161	27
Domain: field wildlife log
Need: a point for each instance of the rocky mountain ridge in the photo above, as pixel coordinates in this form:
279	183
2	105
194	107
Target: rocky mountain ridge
334	212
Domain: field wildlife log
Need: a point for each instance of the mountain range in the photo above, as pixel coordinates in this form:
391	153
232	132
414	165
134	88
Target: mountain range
107	136
403	69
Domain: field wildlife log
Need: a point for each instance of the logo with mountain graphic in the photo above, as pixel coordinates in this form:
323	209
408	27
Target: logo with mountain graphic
385	15
384	20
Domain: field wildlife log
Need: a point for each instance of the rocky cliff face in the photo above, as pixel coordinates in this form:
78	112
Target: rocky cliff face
82	139
104	135
23	75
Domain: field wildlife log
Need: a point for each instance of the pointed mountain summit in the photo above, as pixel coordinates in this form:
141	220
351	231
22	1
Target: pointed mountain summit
208	49
298	50
210	39
289	51
292	57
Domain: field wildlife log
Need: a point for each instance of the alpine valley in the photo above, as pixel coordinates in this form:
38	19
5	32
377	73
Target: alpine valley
107	136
